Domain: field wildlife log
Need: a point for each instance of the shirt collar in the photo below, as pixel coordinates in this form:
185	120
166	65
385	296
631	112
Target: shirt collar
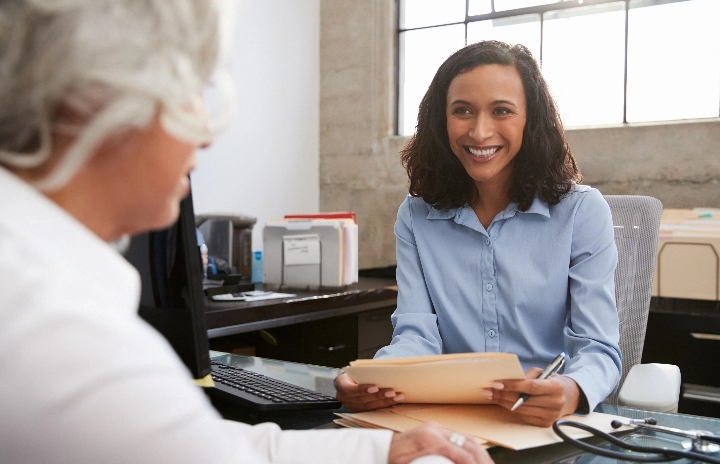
538	206
54	236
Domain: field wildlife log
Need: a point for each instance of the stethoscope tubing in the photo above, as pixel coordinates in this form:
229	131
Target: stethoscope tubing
650	453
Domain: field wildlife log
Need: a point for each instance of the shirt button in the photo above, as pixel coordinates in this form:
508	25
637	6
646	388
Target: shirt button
487	241
491	333
489	287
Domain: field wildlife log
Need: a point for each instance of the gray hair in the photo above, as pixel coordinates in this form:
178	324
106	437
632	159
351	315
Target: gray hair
114	62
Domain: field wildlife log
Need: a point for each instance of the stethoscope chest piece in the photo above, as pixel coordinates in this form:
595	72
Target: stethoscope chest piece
700	445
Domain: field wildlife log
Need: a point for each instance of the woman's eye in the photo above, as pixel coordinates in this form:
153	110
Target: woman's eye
461	111
502	111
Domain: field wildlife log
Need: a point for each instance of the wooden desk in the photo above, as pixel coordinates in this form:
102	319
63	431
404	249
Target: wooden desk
328	328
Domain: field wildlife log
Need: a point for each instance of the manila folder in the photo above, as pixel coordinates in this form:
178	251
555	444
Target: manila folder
445	378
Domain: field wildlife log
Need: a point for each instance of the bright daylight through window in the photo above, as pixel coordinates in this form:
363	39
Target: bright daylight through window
606	62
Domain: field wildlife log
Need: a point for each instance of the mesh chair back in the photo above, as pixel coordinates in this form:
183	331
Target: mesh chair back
636	220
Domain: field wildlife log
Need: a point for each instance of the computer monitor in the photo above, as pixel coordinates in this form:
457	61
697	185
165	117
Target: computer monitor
172	298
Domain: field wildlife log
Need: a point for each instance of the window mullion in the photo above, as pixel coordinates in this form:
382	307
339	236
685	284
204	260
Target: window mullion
625	86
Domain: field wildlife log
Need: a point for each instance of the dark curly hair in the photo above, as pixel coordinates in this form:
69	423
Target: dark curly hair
544	165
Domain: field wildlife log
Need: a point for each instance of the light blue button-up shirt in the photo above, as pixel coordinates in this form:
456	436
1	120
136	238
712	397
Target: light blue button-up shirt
535	283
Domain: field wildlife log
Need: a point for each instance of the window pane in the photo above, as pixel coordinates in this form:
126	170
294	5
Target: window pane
422	52
504	5
516	30
583	63
420	13
476	7
673	60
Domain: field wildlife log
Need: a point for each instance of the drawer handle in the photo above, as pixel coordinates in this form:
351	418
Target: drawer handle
701	393
331	348
704	336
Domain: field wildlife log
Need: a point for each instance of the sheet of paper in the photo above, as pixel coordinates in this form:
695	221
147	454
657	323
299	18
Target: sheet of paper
391	419
350	237
498	425
382	418
455	379
349	423
251	296
428	359
301	249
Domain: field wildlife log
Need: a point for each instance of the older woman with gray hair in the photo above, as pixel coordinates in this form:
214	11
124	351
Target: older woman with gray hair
100	115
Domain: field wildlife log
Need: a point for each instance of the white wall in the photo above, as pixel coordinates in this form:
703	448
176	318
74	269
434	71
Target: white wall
266	163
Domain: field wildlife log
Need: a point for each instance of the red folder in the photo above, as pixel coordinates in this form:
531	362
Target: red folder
333	215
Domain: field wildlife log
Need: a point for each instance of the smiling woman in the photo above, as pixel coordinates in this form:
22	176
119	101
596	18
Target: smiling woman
498	247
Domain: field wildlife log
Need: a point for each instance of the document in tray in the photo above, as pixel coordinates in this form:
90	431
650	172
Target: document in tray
315	252
445	378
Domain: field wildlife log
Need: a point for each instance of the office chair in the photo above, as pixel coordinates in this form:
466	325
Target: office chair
636	221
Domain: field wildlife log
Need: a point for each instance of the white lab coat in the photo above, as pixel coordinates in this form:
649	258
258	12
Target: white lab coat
84	380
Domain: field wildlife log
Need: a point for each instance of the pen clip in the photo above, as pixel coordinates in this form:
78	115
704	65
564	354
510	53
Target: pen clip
554	366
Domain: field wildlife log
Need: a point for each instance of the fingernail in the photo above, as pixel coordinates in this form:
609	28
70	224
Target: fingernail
389	394
497	385
487	393
400	398
373	390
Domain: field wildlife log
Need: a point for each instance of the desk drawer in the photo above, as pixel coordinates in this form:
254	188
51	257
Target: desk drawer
374	331
330	342
690	341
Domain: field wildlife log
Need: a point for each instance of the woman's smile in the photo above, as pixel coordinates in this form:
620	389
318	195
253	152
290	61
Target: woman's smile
482	153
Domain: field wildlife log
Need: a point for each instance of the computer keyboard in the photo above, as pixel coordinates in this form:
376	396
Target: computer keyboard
260	392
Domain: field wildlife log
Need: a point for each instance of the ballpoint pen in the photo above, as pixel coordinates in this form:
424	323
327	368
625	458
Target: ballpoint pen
552	368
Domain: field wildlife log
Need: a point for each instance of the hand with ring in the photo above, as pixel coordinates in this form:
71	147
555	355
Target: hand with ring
457	439
432	439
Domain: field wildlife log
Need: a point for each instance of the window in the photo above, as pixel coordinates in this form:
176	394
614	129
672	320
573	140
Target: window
606	61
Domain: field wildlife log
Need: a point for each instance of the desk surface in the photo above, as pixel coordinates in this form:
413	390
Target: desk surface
229	318
320	379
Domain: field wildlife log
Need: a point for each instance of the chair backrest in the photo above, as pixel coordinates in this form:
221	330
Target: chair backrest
636	220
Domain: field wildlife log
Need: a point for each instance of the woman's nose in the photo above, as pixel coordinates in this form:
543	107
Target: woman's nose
482	129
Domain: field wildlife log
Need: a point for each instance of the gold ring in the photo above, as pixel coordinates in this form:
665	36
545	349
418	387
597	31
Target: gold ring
457	439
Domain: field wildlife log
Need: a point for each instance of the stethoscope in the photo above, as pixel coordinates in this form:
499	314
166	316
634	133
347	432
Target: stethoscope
699	447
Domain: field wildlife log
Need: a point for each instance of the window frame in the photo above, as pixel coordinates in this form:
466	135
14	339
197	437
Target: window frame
539	10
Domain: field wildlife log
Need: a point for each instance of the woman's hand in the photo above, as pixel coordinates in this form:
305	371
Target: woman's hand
550	399
364	397
432	439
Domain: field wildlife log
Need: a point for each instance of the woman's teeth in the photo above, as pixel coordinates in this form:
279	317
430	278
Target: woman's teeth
481	152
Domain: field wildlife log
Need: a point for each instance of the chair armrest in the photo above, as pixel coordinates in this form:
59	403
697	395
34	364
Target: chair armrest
652	387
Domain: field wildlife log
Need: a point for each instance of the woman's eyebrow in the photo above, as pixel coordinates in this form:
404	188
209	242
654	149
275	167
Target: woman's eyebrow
504	102
496	102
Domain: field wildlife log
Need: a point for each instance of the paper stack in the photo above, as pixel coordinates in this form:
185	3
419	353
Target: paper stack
313	250
447	389
489	424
